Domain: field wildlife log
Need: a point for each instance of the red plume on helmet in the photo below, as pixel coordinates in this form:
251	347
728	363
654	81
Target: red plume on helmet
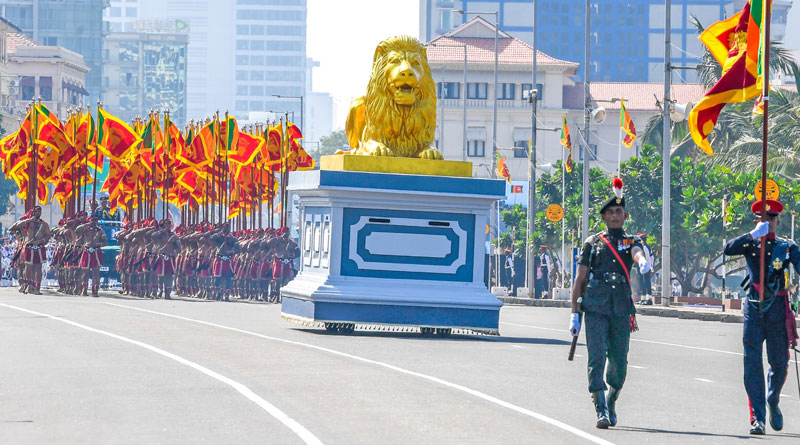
617	185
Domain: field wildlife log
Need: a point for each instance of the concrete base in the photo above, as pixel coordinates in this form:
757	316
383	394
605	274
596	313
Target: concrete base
380	249
561	293
500	291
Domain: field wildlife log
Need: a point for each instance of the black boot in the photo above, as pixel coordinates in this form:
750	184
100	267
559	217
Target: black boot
613	394
757	428
599	400
775	417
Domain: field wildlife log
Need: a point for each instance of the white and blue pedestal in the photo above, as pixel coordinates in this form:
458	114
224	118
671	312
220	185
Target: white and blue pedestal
392	250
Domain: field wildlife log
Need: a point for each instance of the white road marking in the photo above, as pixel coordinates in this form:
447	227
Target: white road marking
784	395
473	392
636	367
643	341
578	355
516	346
704	380
271	409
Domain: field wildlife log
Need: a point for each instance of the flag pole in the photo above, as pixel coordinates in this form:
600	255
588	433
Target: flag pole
765	19
96	150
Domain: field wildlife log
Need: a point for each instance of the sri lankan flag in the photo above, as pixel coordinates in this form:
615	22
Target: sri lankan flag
115	138
741	78
502	169
567	143
626	124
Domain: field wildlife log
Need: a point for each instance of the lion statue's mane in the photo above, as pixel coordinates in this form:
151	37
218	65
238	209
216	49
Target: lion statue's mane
407	130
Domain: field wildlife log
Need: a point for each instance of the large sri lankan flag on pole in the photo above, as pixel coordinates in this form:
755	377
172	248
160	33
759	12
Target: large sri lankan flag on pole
741	78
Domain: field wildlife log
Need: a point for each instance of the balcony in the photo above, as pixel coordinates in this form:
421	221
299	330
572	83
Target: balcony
478	103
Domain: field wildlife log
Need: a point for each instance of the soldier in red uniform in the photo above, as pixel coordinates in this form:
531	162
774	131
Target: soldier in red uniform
37	234
226	246
93	238
168	245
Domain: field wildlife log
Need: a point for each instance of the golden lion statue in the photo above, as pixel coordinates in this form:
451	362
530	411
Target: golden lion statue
397	117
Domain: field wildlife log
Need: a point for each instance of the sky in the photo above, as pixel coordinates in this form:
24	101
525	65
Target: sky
342	36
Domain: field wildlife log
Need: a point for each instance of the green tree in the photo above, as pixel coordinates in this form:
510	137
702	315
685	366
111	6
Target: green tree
331	143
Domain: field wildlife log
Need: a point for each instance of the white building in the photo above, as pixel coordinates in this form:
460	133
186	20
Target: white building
559	95
319	110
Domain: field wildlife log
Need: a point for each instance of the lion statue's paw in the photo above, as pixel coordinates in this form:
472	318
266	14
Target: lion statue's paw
374	148
431	153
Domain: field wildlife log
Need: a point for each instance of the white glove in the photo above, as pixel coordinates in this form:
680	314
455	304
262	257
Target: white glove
762	229
575	324
644	266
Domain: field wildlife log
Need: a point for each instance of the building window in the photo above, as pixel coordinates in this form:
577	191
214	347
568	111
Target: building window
242	30
241	90
476	149
505	91
28	87
257	90
241	105
257	45
242	44
256	105
46	88
526	87
257	30
51	41
477	90
128	51
116	12
257	75
242	60
128	79
241	75
256	60
520	149
130	12
128	101
476	142
452	90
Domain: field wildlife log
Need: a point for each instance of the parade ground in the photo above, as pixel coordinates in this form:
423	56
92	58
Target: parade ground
127	370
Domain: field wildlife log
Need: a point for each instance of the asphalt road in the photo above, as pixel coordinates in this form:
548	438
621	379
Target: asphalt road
118	370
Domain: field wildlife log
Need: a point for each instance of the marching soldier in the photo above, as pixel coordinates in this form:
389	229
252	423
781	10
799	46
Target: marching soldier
37	236
18	260
168	246
93	238
770	320
602	292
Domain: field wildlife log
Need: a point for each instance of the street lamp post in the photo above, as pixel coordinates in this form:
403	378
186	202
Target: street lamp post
493	173
302	113
533	97
586	107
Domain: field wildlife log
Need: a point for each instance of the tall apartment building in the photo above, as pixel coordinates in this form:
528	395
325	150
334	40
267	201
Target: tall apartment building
627	36
240	53
76	25
146	69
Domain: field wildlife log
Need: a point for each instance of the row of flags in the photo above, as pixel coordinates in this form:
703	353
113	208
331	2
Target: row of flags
191	167
628	138
738	44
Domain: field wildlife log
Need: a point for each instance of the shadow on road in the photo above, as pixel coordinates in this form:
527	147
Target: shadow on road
453	337
693	433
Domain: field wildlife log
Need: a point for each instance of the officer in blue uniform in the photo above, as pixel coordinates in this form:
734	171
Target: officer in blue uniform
770	320
602	291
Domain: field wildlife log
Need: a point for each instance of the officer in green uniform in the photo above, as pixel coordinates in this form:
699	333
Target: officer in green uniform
602	291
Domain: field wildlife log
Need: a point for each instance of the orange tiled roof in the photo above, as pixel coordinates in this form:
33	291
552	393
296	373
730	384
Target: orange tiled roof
511	51
637	95
15	40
